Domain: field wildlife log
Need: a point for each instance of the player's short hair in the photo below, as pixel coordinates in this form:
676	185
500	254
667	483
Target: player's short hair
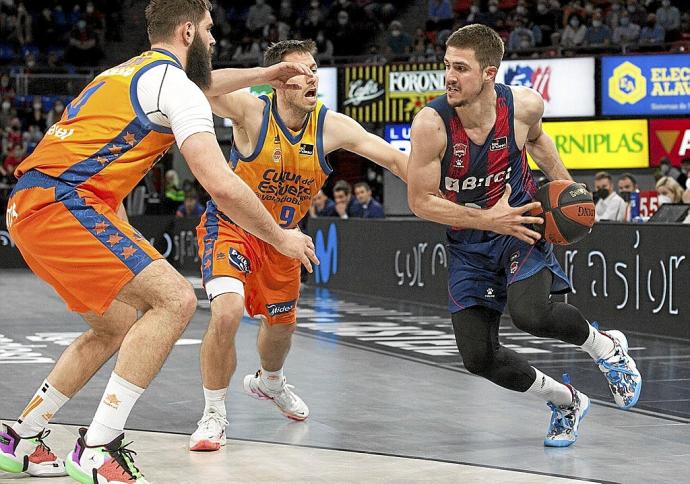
362	184
276	52
163	16
342	186
484	41
628	176
602	175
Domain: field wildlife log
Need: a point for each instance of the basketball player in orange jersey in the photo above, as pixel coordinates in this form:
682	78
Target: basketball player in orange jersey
62	216
280	146
471	145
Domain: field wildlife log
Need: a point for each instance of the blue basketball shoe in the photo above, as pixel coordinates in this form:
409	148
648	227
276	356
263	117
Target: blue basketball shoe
625	381
565	419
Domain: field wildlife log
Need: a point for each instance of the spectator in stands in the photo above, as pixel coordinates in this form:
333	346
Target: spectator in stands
12	136
55	113
345	205
495	18
598	34
546	21
668	17
521	38
24	32
314	21
440	15
638	14
6	87
627	183
12	161
324	48
248	51
574	33
375	56
665	168
45	32
95	20
322	206
258	16
652	33
83	47
613	15
35	116
31	138
399	42
7	112
627	32
368	206
344	35
191	208
609	205
174	195
668	190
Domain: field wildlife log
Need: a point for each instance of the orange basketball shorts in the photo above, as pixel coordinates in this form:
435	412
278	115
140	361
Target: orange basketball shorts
74	241
271	280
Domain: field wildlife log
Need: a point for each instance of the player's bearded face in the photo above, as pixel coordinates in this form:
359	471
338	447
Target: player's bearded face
199	62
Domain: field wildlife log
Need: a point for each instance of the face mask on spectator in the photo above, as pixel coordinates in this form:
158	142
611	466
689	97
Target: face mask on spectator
521	10
493	8
663	199
541	8
631	8
625	196
666	3
524	44
37	106
602	193
474	9
574	23
596	23
6	106
625	21
664	169
89	9
615	7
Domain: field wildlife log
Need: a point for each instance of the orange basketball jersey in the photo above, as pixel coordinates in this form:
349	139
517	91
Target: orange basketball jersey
104	142
286	169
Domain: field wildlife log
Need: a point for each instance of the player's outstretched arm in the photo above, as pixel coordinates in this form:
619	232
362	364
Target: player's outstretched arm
529	107
428	139
342	131
238	201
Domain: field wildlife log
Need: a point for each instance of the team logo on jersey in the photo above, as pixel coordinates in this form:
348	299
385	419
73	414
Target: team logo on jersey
305	149
239	261
277	155
276	140
280	308
459	150
499	143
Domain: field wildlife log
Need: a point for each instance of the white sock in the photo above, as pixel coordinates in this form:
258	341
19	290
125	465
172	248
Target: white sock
550	390
118	399
42	407
598	345
215	401
272	380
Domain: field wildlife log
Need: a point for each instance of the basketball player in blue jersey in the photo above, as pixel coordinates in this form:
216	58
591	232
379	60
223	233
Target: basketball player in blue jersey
279	149
470	144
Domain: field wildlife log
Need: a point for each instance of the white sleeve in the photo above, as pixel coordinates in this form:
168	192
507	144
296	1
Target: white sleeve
171	101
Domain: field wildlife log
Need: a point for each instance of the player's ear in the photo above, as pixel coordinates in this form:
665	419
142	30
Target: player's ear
490	73
188	31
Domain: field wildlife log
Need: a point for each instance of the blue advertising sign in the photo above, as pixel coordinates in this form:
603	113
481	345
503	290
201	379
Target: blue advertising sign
645	84
398	135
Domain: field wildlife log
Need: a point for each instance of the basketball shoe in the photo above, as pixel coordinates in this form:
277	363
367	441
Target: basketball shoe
109	463
565	420
28	454
625	381
210	432
291	405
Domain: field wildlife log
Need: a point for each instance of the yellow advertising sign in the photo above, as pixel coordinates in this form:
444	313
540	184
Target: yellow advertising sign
598	145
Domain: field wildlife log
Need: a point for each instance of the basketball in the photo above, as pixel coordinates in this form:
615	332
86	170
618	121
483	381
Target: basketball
567	209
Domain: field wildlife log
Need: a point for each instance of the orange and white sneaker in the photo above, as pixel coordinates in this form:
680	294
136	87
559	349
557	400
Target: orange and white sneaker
28	454
112	463
287	401
210	433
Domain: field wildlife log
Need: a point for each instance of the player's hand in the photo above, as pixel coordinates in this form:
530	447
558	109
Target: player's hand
279	75
299	246
504	219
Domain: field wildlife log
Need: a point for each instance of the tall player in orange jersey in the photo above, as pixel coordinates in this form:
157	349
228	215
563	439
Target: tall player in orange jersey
280	147
62	216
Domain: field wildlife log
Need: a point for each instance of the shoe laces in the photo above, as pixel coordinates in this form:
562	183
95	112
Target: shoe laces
286	395
125	458
42	446
615	365
561	418
212	418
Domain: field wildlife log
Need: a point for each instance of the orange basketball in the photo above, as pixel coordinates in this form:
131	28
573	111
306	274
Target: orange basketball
567	209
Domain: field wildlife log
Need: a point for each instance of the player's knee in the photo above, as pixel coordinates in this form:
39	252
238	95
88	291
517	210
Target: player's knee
226	320
181	304
280	330
476	362
529	315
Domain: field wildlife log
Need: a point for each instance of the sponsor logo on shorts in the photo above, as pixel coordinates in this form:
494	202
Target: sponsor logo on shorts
220	256
306	149
515	255
280	308
514	267
490	292
499	143
239	261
